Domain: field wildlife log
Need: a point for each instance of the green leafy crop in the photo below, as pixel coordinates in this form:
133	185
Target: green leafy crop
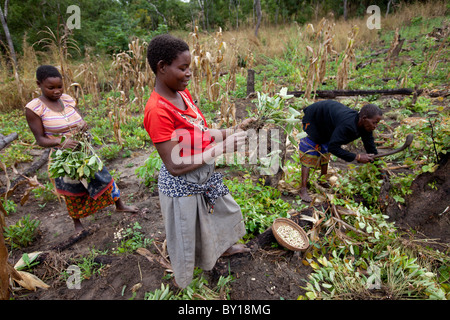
78	164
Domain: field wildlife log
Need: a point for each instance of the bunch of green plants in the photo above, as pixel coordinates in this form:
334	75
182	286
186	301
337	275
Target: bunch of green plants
15	153
274	109
10	206
29	261
392	274
109	152
401	186
22	233
367	258
370	260
197	290
131	238
149	170
160	294
134	135
241	86
87	265
100	126
363	181
46	193
78	164
10	122
260	204
431	138
402	75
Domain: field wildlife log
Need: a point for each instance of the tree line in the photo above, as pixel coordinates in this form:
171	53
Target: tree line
108	25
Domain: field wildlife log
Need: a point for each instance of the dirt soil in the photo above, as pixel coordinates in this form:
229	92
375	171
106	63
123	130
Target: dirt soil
264	274
427	207
267	273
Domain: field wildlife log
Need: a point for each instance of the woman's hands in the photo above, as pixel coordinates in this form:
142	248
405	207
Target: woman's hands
80	127
225	142
246	123
69	144
169	151
232	143
35	124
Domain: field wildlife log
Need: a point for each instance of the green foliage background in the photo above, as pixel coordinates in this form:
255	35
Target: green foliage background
108	25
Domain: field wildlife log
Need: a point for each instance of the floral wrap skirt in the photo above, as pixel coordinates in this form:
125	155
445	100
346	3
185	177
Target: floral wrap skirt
84	199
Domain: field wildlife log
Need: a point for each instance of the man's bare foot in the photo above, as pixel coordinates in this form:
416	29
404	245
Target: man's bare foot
236	248
304	195
121	207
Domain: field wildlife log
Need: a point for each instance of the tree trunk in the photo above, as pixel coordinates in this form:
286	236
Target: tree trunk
5	268
345	10
69	242
257	6
35	166
12	52
388	6
5	140
331	94
159	13
237	17
250	81
4	273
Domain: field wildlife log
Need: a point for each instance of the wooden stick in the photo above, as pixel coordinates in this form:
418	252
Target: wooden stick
331	94
32	169
346	225
75	238
5	140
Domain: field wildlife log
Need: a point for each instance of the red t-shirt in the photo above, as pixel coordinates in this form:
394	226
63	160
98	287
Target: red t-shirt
163	122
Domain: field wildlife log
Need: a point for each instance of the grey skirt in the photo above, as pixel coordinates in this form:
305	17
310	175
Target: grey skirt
195	237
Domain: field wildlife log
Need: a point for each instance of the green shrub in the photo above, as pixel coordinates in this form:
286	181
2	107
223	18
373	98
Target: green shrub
10	206
148	171
22	233
260	204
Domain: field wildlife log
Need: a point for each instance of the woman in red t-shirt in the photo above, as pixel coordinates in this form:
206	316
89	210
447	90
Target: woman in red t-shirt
202	220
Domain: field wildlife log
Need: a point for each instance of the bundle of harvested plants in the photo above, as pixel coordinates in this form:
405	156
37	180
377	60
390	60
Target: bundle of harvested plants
80	163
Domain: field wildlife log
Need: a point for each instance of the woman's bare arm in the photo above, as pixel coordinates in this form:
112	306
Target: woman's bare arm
169	151
36	127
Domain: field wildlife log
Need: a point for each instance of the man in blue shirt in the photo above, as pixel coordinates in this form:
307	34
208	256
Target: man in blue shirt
329	125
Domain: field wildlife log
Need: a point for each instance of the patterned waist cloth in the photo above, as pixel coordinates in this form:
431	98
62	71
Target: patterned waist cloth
83	200
313	154
173	186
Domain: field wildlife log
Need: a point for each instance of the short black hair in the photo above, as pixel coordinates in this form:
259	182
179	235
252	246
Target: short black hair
47	71
370	111
164	47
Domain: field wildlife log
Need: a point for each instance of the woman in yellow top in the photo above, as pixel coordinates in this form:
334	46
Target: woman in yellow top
53	115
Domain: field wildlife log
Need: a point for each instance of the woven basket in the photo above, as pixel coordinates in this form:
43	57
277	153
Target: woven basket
283	221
